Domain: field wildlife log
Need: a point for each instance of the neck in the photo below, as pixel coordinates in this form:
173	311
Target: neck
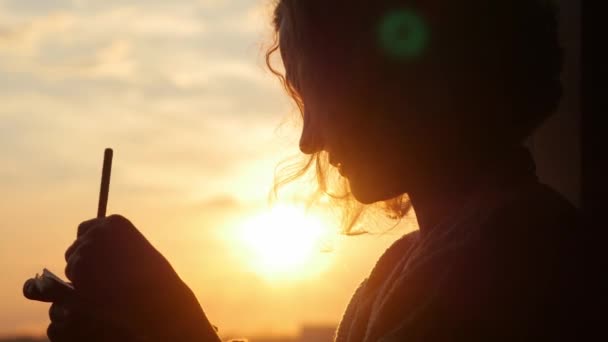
441	197
432	204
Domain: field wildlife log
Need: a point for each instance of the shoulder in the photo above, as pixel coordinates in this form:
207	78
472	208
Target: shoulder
391	257
521	277
384	266
354	318
535	231
525	270
536	224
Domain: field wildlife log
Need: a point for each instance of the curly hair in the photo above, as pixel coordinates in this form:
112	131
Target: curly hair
499	61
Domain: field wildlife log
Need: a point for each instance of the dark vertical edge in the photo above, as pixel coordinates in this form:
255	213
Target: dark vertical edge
594	171
595	98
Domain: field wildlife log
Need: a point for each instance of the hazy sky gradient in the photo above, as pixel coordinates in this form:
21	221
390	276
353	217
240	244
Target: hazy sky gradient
179	90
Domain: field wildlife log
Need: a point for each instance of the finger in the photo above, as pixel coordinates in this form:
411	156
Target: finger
84	227
88	264
32	292
108	233
74	269
59	313
72	248
86	256
71	266
56	332
119	225
69	323
117	220
113	229
89	232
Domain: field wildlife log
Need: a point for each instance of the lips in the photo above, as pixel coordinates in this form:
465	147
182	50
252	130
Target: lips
335	162
338	165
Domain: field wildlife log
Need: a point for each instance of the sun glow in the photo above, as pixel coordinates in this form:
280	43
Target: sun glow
285	242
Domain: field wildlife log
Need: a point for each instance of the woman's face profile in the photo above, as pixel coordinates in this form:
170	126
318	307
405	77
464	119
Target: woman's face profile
365	146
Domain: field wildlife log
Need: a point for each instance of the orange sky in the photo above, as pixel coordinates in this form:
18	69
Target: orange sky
179	90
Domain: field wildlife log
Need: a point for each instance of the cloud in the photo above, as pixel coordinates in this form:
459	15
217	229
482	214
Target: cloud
138	21
114	59
177	88
219	206
26	38
34	7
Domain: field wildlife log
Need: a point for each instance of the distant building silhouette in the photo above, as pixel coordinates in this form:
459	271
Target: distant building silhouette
318	333
308	333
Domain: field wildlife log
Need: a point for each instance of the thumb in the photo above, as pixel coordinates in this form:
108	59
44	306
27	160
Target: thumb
47	288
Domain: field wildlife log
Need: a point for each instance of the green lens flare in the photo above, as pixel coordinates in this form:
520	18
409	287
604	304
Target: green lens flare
403	34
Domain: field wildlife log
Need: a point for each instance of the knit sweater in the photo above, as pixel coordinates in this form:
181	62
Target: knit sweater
504	268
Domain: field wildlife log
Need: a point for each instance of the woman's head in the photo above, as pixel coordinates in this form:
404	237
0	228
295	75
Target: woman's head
396	91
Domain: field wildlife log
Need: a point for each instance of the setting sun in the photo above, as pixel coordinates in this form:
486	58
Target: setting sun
284	241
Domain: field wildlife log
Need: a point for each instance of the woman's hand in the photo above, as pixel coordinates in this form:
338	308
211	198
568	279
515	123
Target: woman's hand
122	280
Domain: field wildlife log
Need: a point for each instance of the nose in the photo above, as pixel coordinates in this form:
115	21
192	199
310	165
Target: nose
311	140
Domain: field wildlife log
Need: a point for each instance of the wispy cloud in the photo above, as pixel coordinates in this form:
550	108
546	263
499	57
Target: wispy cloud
25	38
178	88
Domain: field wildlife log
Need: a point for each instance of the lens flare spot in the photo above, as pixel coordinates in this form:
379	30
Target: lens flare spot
403	34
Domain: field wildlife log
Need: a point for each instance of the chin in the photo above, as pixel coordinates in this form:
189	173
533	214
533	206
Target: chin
372	192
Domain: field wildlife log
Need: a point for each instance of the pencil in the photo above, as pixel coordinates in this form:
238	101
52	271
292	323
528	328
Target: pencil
105	183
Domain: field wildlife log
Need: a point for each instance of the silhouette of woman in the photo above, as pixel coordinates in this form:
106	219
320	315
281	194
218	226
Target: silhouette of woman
424	103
